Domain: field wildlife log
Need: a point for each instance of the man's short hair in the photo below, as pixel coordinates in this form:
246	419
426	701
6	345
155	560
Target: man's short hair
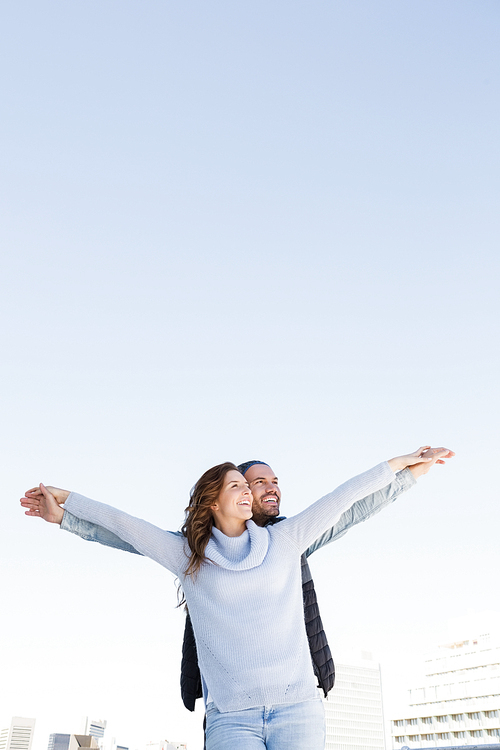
243	468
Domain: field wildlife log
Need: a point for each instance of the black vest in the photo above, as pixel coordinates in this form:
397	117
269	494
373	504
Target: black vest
322	661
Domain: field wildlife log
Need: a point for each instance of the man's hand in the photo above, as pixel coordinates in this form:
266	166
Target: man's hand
437	455
41	502
425	457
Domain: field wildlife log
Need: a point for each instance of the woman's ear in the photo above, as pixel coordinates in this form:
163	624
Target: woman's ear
214	507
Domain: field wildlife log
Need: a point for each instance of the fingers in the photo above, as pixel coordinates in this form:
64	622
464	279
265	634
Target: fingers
438	453
32	503
47	493
420	450
29	501
446	452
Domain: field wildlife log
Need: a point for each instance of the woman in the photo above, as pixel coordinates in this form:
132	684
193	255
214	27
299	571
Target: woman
242	585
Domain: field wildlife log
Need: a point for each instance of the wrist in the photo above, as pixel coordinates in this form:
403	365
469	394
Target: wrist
396	464
61	496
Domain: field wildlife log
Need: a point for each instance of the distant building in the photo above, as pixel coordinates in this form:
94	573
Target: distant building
77	741
58	742
166	745
458	703
465	747
19	735
115	746
94	727
353	709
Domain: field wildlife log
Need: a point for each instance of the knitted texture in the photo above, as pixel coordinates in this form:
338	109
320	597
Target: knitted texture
322	660
247	609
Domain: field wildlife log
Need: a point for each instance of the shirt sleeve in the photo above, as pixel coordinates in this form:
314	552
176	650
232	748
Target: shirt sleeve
164	547
363	509
304	528
91	532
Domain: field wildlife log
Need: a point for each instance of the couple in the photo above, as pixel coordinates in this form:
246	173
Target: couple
240	580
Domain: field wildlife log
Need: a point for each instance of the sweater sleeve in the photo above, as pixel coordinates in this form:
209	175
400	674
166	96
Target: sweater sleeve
364	509
165	547
304	528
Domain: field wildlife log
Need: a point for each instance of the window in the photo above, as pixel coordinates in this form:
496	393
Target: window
399	723
427	736
457	717
442	719
474	716
412	722
427	720
491	714
400	739
443	736
494	732
459	735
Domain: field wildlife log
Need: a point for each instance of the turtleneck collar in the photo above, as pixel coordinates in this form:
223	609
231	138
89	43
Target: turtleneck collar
238	552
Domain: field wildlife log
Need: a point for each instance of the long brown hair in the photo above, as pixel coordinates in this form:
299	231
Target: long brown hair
199	520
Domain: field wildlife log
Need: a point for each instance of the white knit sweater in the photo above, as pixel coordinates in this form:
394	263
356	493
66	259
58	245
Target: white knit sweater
247	608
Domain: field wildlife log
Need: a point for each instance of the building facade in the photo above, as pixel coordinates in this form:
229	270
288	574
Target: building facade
458	702
19	735
78	741
58	742
94	727
353	709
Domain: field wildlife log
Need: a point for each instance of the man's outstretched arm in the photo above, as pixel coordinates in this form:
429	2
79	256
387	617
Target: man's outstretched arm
91	532
364	509
373	504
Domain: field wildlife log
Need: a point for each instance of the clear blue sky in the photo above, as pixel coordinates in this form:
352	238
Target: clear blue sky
232	230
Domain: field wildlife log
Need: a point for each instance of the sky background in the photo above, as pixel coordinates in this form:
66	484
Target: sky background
232	231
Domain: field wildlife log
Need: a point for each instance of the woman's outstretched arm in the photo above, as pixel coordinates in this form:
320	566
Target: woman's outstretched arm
165	547
308	525
90	532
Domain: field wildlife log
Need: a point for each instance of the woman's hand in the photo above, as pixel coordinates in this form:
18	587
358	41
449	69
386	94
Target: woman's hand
423	458
437	455
44	502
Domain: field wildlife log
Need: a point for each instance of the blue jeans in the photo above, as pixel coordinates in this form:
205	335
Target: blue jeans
287	726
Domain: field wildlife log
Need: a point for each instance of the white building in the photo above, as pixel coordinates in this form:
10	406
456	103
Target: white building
94	727
19	735
166	745
458	702
353	708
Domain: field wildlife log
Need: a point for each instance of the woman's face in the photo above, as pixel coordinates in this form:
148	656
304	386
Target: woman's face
234	503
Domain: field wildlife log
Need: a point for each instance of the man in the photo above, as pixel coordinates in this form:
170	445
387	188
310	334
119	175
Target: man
265	508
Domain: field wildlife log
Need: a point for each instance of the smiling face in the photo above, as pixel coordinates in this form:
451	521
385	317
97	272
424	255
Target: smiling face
265	491
234	504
